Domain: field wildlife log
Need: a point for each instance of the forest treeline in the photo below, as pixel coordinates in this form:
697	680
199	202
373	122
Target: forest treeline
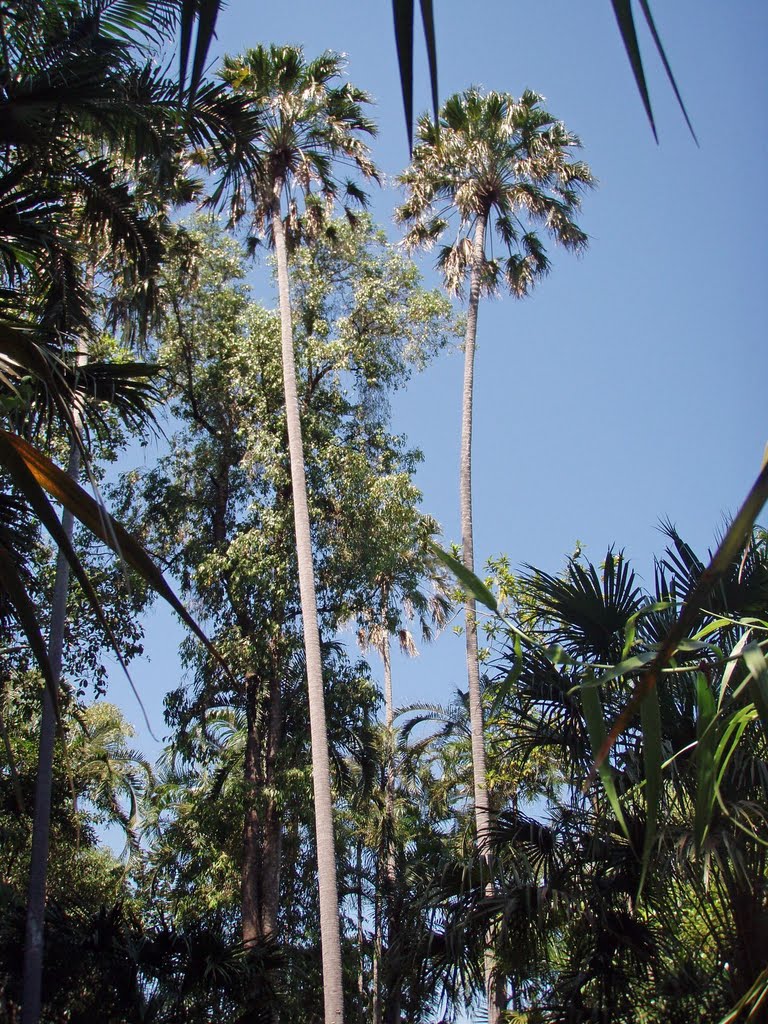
578	836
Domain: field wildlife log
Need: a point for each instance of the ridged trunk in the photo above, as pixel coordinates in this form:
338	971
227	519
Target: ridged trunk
333	993
482	810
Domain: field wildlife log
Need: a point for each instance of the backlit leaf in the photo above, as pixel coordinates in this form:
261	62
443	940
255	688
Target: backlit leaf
466	577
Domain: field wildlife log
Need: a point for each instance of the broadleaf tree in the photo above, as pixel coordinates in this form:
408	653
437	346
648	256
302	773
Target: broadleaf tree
218	506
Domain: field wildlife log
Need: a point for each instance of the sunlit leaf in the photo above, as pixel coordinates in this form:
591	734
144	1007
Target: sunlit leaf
593	715
750	1002
730	737
650	721
706	744
556	654
758	670
466	577
627	667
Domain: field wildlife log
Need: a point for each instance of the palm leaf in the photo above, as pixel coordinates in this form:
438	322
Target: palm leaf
53	387
685	623
758	670
35	475
402	11
646	9
626	22
471	583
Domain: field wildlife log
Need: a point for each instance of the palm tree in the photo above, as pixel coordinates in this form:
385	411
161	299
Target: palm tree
504	165
308	124
595	939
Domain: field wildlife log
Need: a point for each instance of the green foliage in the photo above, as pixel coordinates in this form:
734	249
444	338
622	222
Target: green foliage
670	844
218	508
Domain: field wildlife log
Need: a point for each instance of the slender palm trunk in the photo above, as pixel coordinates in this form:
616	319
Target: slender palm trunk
38	868
383	857
389	781
482	809
392	1012
377	947
361	1015
321	776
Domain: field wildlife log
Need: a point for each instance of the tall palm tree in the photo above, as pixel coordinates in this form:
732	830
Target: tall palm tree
309	124
500	165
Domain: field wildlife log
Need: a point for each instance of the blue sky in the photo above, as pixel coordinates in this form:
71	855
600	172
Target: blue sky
628	387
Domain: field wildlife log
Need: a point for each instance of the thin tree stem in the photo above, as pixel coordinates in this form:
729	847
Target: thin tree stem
38	868
482	809
390	862
482	814
321	777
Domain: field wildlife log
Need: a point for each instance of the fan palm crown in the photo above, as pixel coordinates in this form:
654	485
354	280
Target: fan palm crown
496	162
311	127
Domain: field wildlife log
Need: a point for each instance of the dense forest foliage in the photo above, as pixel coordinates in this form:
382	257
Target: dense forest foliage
578	836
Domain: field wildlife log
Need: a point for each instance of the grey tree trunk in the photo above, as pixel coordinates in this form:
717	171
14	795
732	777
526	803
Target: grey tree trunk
482	809
360	934
383	855
38	867
377	948
333	993
389	893
262	832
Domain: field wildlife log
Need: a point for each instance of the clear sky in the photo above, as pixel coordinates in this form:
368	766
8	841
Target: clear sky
628	387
